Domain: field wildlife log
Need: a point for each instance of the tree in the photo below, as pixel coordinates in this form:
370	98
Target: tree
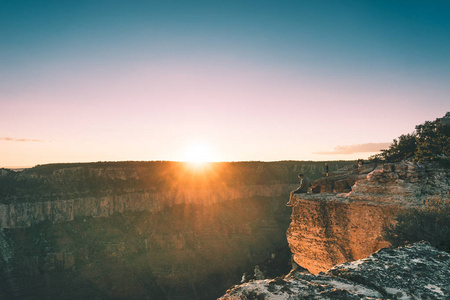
433	140
429	142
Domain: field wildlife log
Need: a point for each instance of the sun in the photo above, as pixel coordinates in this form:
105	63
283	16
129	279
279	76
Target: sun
198	152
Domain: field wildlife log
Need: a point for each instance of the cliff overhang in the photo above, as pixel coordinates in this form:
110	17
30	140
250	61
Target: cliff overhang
343	217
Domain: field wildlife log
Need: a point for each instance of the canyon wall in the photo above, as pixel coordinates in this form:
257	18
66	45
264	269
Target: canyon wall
62	192
342	219
16	215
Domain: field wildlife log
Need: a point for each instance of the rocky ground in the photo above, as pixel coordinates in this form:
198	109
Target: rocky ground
418	271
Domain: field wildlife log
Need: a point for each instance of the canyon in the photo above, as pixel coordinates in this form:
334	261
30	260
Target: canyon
128	230
169	230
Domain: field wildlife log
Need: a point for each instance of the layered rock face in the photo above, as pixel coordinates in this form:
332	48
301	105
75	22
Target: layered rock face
100	190
63	192
343	218
327	231
414	272
17	215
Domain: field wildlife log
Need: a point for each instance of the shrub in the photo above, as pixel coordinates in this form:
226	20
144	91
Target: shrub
430	223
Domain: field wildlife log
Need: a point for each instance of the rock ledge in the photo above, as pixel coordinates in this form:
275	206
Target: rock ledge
418	271
343	217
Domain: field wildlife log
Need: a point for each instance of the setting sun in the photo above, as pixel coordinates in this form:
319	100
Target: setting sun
199	152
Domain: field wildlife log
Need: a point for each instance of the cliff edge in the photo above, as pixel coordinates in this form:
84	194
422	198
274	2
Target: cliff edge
343	217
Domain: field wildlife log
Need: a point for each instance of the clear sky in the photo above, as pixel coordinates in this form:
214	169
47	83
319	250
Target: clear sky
250	80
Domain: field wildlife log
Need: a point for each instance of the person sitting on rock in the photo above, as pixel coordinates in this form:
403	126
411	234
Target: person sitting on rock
304	185
303	188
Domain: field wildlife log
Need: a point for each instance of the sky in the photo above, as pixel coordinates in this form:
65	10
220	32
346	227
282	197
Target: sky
84	81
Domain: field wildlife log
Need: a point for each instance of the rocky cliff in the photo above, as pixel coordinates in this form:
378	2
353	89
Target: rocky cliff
343	216
16	215
414	272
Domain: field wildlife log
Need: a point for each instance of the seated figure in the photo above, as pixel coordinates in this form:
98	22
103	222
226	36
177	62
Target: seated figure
303	188
304	185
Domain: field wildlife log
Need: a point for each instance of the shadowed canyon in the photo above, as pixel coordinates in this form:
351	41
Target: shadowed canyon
138	230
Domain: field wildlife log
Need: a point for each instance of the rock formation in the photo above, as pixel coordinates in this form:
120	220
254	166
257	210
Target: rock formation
342	219
17	215
418	271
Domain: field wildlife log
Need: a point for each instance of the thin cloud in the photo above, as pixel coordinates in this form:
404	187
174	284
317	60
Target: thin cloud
357	148
8	139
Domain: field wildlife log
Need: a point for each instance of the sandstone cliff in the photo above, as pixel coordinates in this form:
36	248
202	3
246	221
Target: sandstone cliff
343	218
414	272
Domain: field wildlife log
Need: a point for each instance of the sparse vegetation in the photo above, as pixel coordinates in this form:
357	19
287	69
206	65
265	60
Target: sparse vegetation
429	142
430	223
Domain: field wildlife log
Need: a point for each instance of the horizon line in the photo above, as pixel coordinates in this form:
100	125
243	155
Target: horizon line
178	161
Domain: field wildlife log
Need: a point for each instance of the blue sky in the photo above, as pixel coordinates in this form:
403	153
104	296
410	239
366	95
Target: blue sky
255	80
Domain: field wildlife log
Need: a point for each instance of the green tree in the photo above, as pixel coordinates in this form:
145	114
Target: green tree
400	149
429	142
433	140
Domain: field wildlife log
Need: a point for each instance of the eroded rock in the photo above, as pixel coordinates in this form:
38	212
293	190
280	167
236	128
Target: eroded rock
338	226
418	271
